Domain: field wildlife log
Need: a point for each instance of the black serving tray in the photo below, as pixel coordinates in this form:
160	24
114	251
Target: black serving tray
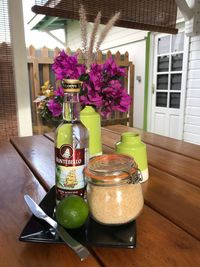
90	234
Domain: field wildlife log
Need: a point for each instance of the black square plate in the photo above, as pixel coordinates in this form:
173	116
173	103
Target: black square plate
90	234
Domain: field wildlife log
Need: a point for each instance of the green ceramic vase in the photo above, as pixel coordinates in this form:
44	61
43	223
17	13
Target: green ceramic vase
92	121
132	145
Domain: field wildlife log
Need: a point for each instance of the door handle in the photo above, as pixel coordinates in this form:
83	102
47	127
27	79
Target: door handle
153	89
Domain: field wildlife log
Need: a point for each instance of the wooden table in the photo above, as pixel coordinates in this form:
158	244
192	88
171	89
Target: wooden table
168	230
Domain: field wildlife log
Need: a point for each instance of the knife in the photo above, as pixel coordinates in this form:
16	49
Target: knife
79	249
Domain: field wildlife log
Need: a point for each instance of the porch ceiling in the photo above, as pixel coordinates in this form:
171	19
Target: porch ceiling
149	15
50	23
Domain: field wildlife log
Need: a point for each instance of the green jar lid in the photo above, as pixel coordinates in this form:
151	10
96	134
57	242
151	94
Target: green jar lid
130	137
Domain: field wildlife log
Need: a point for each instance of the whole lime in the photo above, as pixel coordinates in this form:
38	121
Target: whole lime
72	212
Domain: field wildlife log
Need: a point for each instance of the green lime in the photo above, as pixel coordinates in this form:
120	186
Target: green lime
72	212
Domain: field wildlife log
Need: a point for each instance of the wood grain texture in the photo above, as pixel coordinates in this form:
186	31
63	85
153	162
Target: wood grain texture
162	186
174	198
180	147
181	166
15	181
38	153
158	191
159	243
50	136
154	231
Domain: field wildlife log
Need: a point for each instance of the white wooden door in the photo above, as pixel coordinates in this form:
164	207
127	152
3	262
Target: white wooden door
168	90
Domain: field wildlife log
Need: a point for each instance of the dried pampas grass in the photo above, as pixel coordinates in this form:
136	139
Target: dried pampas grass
93	38
106	29
83	25
89	51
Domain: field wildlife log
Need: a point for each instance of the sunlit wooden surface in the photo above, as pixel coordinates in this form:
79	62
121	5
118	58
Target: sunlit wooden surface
168	230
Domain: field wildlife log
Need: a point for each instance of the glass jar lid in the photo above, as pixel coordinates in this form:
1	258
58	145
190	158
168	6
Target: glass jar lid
112	168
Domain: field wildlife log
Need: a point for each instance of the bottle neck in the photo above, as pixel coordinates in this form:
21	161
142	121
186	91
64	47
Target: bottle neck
71	107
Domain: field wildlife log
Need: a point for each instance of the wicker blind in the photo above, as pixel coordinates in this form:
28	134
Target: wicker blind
151	15
8	118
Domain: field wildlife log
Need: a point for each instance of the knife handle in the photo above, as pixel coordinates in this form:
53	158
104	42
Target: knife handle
79	249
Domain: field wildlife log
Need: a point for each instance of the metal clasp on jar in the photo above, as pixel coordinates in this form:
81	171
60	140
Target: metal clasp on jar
136	177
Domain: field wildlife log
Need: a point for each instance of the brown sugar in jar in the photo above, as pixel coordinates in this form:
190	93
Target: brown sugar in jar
114	193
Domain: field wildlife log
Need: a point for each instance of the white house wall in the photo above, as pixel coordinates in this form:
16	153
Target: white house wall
116	37
122	40
137	52
192	110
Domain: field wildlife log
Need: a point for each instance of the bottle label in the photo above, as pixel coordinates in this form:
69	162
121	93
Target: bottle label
69	171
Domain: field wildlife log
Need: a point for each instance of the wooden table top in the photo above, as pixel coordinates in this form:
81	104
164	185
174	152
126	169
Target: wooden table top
168	230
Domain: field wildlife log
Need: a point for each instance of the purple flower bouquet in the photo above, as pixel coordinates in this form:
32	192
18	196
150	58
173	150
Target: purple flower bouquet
102	87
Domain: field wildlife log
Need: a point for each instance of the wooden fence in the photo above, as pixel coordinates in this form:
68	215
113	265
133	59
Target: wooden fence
39	67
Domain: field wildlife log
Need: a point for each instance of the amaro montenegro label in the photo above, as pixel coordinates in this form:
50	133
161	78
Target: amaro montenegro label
69	171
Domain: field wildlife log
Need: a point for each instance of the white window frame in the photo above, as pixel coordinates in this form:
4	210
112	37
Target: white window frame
153	72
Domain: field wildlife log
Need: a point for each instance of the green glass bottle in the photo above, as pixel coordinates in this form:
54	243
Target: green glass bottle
132	145
71	145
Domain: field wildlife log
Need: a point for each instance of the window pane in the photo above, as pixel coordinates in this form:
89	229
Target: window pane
163	44
174	100
163	63
176	81
162	82
177	62
178	42
161	99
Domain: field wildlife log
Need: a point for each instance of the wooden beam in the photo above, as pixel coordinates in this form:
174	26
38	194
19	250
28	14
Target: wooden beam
187	12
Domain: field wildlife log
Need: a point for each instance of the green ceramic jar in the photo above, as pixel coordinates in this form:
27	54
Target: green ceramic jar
132	145
92	121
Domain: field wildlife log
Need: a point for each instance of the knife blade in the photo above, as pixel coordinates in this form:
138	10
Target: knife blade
79	249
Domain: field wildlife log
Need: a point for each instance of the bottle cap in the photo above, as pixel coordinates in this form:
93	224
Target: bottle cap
71	86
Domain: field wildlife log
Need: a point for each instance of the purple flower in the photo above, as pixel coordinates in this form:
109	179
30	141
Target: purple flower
113	88
90	96
59	92
96	77
102	85
54	107
111	69
95	99
67	67
124	102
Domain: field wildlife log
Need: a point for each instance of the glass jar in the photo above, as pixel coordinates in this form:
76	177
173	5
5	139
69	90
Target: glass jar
114	192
